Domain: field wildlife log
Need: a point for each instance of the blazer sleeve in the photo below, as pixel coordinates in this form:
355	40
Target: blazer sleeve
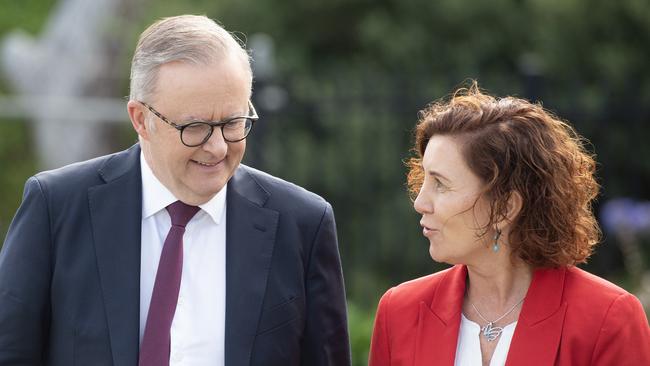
379	344
326	341
25	268
624	337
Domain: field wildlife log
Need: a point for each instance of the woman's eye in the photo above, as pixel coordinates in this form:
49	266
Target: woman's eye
439	185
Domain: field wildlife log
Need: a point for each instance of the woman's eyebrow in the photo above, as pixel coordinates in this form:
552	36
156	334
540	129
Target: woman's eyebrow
437	174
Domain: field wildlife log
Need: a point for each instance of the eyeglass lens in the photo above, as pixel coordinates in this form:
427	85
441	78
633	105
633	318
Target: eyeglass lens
198	132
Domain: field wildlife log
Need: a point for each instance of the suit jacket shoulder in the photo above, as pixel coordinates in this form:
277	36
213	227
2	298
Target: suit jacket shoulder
71	180
291	201
279	190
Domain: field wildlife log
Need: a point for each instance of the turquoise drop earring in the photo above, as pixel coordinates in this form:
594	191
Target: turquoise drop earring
497	235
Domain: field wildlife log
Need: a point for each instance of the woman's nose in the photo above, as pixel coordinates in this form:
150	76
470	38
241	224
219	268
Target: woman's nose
422	203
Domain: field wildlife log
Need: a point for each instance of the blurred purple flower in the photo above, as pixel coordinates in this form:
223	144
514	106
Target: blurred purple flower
625	214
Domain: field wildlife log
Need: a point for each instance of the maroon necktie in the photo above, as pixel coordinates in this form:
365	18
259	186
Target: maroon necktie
154	350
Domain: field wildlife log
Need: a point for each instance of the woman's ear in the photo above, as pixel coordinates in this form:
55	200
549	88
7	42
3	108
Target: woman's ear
513	207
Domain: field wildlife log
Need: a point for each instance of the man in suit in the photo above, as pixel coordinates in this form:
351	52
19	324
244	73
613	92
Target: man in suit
172	252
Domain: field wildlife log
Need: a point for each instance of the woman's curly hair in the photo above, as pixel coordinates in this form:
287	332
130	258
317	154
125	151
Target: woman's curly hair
513	145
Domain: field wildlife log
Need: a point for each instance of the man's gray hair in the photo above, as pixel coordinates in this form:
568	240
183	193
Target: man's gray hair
187	38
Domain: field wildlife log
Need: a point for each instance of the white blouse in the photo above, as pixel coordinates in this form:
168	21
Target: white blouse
468	350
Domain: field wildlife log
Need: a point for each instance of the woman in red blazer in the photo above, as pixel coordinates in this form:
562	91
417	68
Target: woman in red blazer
505	191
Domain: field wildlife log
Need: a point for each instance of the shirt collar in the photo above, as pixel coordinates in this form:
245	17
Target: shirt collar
155	196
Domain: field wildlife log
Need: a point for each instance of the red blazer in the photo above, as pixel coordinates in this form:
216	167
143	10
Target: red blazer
569	317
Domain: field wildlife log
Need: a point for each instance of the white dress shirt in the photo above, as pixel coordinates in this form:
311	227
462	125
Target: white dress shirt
198	327
468	351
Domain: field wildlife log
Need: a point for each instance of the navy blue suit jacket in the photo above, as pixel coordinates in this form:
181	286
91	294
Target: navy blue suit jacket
70	271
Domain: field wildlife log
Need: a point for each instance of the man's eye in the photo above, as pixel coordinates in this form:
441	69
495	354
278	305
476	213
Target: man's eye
235	124
196	129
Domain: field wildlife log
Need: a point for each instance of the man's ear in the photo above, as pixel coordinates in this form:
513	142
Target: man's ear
138	118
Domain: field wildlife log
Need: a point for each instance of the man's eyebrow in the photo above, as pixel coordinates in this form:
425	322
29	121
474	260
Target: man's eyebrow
194	118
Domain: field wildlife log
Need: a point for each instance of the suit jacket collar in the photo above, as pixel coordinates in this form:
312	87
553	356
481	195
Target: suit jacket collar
123	163
250	238
537	336
116	216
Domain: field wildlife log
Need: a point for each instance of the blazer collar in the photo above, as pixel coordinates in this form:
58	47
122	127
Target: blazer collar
439	320
537	336
115	212
447	300
539	329
250	238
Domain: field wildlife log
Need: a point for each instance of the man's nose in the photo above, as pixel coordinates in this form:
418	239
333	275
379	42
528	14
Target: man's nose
216	145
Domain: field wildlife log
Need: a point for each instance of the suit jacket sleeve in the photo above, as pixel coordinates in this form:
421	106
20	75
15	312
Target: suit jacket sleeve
326	340
624	337
379	345
25	267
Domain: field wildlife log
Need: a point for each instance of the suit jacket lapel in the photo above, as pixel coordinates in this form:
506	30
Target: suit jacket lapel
250	237
439	321
539	329
116	216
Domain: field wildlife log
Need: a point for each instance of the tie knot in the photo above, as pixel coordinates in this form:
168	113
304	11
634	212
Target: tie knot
181	213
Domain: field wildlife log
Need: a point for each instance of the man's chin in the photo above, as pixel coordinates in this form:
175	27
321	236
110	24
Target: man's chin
203	194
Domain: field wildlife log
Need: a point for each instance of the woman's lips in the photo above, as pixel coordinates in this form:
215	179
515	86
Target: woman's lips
428	231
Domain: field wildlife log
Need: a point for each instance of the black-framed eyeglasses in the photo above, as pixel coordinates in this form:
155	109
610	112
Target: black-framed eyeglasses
197	133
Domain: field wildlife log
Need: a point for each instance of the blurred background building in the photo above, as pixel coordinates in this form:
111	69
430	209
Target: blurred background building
338	85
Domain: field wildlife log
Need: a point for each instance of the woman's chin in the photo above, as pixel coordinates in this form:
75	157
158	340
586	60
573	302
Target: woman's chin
441	256
437	255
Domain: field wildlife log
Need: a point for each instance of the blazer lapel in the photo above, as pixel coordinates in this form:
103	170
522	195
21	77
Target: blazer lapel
116	216
439	321
250	237
539	329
